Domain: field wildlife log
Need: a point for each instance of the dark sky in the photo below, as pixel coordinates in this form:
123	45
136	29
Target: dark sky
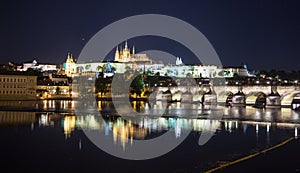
263	34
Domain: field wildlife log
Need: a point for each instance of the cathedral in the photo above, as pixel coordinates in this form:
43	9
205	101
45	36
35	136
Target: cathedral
124	55
69	66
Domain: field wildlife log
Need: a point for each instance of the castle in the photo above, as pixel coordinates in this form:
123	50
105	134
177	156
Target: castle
124	55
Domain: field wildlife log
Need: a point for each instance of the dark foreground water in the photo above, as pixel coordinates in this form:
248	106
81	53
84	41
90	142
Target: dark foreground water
48	137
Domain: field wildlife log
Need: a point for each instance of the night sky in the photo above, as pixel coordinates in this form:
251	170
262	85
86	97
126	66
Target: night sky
262	34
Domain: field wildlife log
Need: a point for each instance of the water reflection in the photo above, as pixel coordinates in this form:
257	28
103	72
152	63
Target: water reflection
124	131
178	117
69	125
40	105
16	118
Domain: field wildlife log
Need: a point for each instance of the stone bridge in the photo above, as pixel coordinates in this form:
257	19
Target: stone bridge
288	95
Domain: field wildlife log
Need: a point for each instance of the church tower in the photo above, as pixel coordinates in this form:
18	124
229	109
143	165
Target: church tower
133	50
126	46
126	53
117	54
70	65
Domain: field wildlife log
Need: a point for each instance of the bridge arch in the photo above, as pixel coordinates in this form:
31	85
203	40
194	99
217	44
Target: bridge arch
224	97
256	98
296	101
291	99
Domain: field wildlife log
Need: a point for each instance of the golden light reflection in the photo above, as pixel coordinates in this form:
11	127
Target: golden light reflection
69	125
72	104
99	105
123	132
45	104
16	118
134	105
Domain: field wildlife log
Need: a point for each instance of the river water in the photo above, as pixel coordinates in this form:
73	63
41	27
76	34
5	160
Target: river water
50	136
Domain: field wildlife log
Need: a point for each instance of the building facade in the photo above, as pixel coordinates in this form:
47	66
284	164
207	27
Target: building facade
125	55
15	87
37	66
69	66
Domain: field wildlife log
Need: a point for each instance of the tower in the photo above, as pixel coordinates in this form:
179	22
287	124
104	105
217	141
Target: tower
70	65
133	50
126	53
126	46
178	61
117	54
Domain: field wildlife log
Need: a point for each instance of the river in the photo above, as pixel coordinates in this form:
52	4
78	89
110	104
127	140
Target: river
50	136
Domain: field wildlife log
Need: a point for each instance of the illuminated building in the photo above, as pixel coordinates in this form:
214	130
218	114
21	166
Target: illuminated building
69	66
16	87
38	66
178	61
126	58
124	55
54	85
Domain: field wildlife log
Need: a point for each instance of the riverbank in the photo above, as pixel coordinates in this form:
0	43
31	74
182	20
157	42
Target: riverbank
282	159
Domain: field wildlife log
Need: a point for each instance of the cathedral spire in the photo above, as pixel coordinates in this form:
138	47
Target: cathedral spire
126	45
117	49
69	57
117	54
133	50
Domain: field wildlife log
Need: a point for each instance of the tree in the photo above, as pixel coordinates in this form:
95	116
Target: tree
88	67
137	85
149	73
200	75
113	68
273	73
188	75
79	69
169	72
101	85
127	68
99	68
32	71
57	90
222	73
